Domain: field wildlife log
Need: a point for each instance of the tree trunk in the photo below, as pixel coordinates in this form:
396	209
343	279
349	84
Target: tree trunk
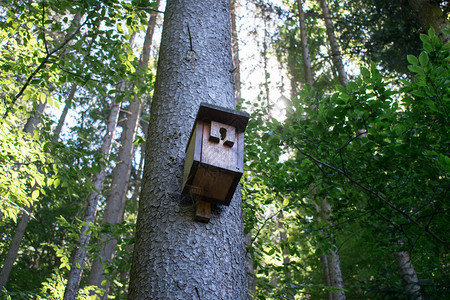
79	254
235	52
30	126
408	275
14	247
66	108
176	257
334	264
326	274
431	15
292	67
335	52
304	40
121	173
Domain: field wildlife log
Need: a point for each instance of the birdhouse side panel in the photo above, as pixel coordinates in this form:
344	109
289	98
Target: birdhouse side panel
193	155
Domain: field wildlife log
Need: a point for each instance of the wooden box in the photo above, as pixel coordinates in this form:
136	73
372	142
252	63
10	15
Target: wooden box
215	154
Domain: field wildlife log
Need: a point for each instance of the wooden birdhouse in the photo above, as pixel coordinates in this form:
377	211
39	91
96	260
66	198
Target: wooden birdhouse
214	160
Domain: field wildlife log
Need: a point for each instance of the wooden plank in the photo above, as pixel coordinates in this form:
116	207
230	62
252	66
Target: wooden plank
217	154
202	211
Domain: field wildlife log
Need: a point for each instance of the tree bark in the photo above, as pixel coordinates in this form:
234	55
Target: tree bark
334	263
30	126
176	257
326	274
235	52
431	15
14	247
66	108
121	173
335	52
408	275
304	40
79	255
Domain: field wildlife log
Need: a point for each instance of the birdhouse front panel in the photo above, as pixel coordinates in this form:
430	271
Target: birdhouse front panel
220	151
215	154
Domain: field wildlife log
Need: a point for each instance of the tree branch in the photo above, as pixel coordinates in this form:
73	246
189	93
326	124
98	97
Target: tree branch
372	192
41	65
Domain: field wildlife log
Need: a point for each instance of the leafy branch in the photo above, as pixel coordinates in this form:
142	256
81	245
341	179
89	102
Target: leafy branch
374	193
42	64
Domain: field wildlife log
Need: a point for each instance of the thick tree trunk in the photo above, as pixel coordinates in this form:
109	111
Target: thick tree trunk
235	52
431	15
335	52
30	126
121	173
79	254
176	257
408	275
304	40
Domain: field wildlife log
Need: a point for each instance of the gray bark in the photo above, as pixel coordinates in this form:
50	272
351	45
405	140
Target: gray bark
8	263
408	275
304	40
335	52
235	52
326	274
66	108
333	260
14	247
79	255
176	257
121	173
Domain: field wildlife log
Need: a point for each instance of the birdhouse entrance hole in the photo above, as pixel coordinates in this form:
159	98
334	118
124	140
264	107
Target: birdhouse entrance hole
223	133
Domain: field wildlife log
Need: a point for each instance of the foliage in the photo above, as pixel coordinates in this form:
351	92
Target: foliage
380	158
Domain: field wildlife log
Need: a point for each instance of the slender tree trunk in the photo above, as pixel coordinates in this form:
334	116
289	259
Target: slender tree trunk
30	126
249	266
79	255
335	52
66	108
266	66
73	89
121	173
326	274
235	52
292	67
431	15
14	247
176	257
304	40
334	264
408	275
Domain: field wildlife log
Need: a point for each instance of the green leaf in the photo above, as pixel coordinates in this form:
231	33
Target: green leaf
104	282
423	58
415	69
365	73
412	60
35	194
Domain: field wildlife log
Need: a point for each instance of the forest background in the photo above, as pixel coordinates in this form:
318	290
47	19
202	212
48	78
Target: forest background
346	150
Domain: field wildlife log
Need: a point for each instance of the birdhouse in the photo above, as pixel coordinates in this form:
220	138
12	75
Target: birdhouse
214	160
